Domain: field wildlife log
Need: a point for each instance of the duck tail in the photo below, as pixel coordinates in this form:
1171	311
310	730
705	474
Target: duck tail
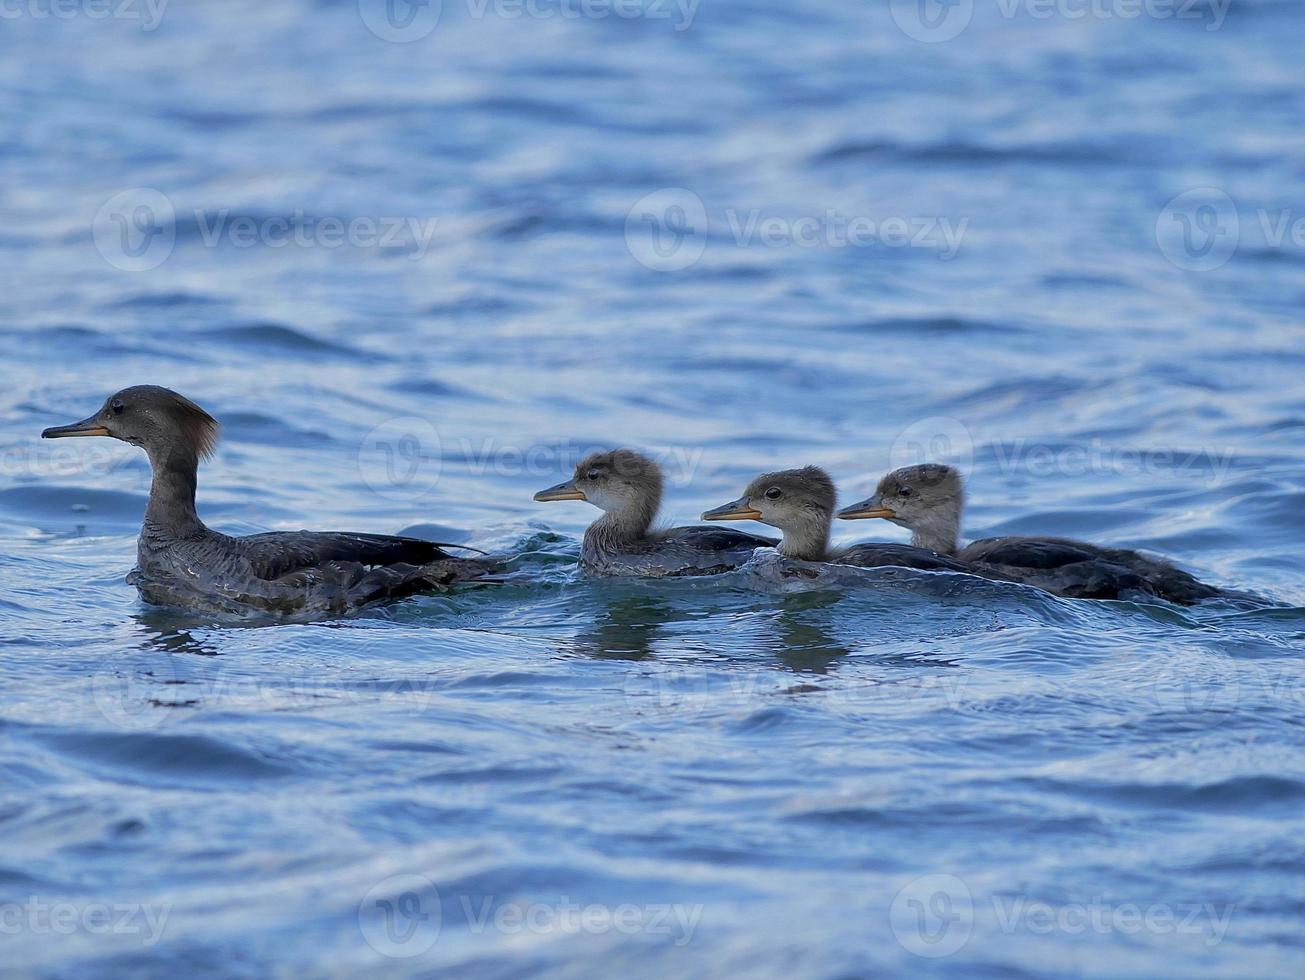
449	571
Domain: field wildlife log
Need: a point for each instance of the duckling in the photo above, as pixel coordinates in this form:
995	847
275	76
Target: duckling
627	487
928	500
801	503
182	562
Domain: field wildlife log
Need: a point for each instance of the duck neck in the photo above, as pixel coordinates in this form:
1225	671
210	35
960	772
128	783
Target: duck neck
808	540
171	508
939	532
622	527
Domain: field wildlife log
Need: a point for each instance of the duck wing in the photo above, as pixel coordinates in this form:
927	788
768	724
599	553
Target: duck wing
214	571
279	553
875	554
1080	570
677	551
1024	552
710	539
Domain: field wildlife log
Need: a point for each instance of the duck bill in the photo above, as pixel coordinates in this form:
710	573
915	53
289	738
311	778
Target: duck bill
86	427
563	491
737	510
867	509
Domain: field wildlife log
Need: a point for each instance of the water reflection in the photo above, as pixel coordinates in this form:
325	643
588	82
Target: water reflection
163	630
803	637
626	628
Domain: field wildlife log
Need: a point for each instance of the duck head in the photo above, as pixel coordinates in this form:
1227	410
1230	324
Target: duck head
158	420
625	484
799	502
927	500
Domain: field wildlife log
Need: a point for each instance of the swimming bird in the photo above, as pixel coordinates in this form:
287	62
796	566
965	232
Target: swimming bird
929	499
801	503
182	562
627	487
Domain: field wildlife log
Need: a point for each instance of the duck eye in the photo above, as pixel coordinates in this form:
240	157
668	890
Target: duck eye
773	493
117	406
904	492
593	474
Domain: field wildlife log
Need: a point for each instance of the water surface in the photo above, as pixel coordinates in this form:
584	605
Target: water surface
882	775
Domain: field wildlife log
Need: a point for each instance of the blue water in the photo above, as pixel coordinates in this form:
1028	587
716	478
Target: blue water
742	776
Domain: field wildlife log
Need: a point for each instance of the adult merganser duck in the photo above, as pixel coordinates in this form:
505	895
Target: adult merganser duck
627	487
928	500
181	562
801	503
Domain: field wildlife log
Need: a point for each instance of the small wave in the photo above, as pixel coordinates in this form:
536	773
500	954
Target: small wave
968	153
189	758
931	326
1236	794
163	301
279	338
76	504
